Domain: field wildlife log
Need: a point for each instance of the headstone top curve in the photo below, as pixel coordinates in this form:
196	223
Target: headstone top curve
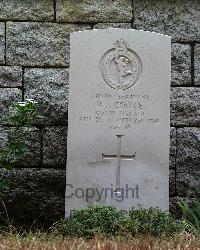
118	29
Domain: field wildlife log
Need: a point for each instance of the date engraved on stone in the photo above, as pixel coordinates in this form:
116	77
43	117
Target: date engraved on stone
120	66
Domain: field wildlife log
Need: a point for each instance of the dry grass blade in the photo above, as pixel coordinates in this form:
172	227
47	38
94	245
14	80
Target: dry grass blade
42	241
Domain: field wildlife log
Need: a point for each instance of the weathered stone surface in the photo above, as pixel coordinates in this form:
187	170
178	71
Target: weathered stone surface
54	146
187	183
7	97
39	44
188	148
185	106
94	11
49	87
181	64
197	64
172	158
2	43
172	161
10	76
112	25
174	207
35	196
3	136
27	10
188	160
32	139
177	18
172	183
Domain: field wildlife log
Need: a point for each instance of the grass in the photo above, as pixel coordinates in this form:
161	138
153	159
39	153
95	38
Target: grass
97	228
103	227
50	241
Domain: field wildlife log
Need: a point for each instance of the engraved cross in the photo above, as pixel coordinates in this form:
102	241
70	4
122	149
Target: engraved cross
119	157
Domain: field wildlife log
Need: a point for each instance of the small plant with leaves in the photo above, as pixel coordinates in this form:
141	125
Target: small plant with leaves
16	150
152	221
91	221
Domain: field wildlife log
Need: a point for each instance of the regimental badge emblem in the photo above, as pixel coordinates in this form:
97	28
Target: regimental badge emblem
120	66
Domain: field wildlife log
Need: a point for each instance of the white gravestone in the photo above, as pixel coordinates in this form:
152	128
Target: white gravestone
119	118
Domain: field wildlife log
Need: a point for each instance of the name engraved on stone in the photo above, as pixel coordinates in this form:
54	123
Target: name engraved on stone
126	111
120	66
119	157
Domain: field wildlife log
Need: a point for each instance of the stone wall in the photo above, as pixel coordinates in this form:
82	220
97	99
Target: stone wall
34	62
